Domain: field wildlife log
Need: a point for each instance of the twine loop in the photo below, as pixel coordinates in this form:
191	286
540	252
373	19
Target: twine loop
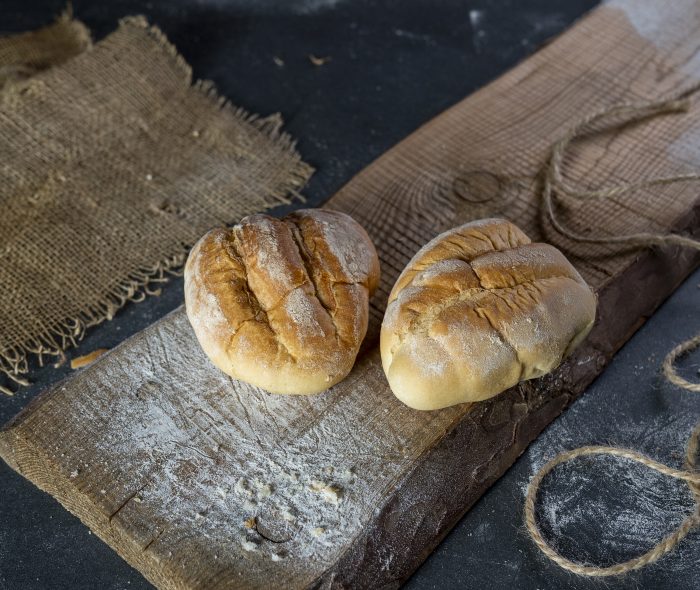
690	475
669	364
556	188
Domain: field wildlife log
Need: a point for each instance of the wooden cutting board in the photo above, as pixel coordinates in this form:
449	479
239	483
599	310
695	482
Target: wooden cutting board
200	481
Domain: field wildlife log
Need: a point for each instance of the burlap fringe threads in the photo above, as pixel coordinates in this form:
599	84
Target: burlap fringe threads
25	54
555	185
56	339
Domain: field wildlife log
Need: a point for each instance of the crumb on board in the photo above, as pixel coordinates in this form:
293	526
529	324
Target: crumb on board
319	61
243	488
87	359
329	492
287	515
318	531
264	489
248	545
279	62
475	17
250	523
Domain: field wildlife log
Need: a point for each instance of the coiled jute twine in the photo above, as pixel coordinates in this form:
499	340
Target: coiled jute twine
554	186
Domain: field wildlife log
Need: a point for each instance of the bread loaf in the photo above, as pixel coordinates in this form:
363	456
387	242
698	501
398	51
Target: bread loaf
283	303
477	310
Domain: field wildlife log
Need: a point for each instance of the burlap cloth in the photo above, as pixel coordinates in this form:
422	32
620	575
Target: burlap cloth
22	56
112	165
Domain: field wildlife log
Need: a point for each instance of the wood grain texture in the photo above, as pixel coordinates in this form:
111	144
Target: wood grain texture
167	459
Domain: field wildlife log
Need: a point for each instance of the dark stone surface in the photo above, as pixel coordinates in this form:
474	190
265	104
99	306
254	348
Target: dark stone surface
393	66
599	509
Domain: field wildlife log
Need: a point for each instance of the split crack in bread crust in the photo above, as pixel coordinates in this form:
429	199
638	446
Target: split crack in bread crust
477	310
283	304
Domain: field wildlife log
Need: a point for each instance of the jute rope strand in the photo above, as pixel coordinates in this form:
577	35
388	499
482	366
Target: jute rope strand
669	369
556	187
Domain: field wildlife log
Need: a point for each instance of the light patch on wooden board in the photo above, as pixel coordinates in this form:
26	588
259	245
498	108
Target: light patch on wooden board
208	456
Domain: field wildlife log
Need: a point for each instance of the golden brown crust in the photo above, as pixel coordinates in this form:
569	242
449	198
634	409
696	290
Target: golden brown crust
283	303
477	310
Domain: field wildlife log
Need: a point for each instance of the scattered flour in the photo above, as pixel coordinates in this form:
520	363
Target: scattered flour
207	316
301	311
242	487
264	489
430	356
329	492
475	18
655	22
274	7
268	257
206	454
343	244
287	515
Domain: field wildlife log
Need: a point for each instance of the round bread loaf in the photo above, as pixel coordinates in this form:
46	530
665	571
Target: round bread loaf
477	310
283	304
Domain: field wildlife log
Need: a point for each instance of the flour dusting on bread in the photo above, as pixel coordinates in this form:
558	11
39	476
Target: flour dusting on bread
477	310
283	303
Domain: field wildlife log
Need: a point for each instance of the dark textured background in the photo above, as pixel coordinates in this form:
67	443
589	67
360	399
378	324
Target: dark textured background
394	65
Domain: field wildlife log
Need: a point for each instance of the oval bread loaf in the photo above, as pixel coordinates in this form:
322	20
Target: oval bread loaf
283	303
477	310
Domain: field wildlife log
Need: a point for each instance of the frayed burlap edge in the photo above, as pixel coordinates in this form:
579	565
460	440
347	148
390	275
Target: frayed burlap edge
54	340
23	55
